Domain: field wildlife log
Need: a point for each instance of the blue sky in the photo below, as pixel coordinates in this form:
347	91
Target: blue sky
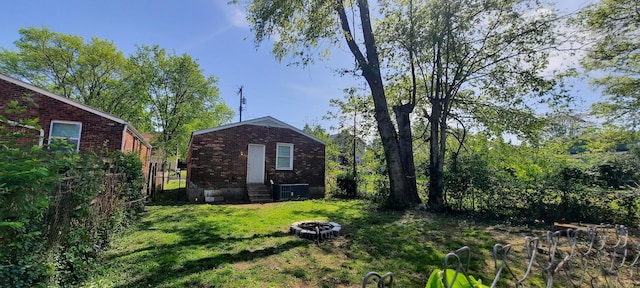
215	34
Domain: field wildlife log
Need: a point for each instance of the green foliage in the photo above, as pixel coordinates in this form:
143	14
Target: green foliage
454	280
614	25
180	96
473	64
25	181
544	183
59	210
617	173
151	89
91	72
347	185
469	174
129	164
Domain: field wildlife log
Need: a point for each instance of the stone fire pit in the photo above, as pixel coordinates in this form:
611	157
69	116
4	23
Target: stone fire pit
315	230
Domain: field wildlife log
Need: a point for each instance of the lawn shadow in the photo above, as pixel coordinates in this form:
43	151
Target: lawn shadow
408	242
173	197
167	271
169	262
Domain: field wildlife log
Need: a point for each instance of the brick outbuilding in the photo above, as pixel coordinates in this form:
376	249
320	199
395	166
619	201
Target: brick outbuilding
259	160
80	127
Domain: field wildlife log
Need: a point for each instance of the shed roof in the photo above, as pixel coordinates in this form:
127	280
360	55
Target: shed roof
73	103
266	121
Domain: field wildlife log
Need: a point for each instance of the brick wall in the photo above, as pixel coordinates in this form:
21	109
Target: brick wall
96	130
19	135
219	159
133	144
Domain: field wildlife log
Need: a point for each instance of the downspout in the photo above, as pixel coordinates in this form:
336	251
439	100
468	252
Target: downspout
41	142
124	134
14	123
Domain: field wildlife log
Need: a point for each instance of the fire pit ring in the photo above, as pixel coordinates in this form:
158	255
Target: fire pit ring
315	230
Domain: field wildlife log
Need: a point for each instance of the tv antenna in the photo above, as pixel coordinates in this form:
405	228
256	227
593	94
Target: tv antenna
243	101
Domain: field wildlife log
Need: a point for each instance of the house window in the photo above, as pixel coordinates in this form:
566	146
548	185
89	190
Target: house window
284	156
65	136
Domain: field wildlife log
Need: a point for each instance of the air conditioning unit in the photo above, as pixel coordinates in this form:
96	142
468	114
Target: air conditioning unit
285	192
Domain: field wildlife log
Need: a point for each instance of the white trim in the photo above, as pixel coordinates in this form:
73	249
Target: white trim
41	142
124	138
75	104
14	123
66	122
266	121
290	145
137	134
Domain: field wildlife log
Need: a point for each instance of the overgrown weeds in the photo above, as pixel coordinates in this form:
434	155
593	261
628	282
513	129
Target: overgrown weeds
59	210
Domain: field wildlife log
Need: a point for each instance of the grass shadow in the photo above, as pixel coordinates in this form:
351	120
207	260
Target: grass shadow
193	239
170	197
167	270
406	242
194	231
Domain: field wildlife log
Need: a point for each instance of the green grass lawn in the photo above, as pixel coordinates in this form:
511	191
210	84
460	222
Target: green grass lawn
199	245
176	183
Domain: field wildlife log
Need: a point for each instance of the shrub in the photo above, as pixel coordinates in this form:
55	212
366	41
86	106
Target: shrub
59	210
25	181
347	184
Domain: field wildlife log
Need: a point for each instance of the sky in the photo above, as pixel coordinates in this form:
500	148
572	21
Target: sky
218	36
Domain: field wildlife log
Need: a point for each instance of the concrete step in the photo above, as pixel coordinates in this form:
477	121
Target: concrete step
259	193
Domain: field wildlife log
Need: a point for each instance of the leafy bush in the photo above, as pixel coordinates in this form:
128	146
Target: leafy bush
130	165
617	173
524	183
468	178
347	184
59	210
26	178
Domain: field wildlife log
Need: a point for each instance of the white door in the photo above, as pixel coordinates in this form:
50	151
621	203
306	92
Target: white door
255	164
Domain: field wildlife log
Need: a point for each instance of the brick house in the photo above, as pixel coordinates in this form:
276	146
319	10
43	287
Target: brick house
259	160
80	127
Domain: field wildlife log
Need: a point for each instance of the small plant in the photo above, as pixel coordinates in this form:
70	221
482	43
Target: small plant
454	280
348	185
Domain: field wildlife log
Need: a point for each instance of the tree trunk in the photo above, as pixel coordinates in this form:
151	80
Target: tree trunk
388	135
405	141
369	64
436	171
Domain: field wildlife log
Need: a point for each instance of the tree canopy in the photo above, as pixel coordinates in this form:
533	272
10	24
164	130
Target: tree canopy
152	89
91	73
615	26
180	96
467	61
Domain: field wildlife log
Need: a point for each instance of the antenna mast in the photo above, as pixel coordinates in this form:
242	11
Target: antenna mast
243	101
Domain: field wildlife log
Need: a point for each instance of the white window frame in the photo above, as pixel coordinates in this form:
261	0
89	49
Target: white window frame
290	166
66	122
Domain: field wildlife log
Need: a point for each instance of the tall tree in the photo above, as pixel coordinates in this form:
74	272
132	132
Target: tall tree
180	95
301	26
470	62
615	26
89	72
455	60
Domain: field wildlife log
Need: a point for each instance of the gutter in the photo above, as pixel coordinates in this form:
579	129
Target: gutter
14	123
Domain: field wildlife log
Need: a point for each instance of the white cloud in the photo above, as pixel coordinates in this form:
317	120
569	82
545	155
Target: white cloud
238	18
539	13
235	14
307	90
572	47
